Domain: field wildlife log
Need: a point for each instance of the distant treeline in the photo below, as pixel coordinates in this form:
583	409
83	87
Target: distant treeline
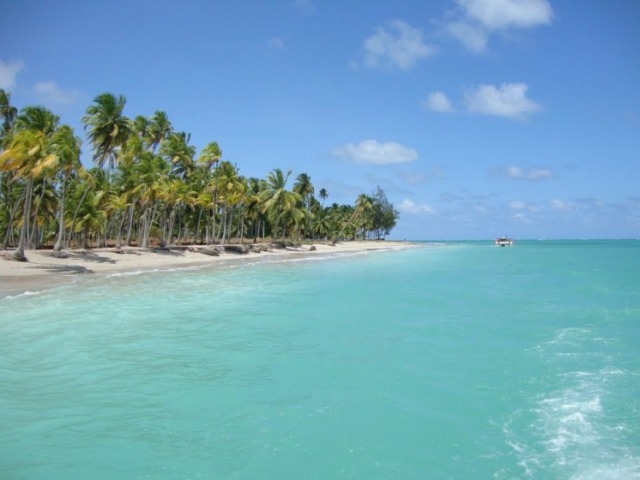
149	187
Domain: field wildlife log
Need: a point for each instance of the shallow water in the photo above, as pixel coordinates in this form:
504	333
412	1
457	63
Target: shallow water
461	361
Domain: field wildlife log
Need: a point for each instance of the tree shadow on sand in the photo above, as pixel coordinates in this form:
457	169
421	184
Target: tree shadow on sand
167	251
66	269
88	256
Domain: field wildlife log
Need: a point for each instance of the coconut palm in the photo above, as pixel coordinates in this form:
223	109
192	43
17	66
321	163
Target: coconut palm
210	155
108	128
118	205
363	206
159	129
38	119
8	112
323	195
277	201
26	155
140	126
177	151
92	217
253	210
66	147
230	192
304	188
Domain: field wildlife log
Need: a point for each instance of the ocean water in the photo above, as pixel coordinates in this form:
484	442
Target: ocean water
449	361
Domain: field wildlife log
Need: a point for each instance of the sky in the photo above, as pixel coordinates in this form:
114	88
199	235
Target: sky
478	118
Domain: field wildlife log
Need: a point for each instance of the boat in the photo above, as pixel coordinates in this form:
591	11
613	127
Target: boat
503	242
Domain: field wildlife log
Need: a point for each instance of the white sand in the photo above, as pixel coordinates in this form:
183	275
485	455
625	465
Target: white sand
42	270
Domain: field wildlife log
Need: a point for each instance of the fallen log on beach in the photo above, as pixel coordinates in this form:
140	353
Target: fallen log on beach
212	251
242	249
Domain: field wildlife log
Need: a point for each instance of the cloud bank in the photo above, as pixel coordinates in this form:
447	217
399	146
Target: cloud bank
508	100
478	19
376	153
519	173
396	45
51	95
8	73
438	102
410	207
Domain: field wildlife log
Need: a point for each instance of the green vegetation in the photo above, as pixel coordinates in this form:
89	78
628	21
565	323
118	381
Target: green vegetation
149	187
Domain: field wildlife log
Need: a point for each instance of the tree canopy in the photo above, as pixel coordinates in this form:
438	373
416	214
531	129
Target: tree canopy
150	186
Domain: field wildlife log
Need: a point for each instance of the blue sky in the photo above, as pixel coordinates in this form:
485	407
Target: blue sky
478	118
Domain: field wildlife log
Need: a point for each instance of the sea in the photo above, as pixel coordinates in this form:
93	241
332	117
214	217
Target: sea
452	360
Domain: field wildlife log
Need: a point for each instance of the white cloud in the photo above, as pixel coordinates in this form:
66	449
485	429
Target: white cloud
520	206
376	153
412	178
438	102
408	206
561	206
521	217
480	209
50	94
477	19
275	43
8	73
471	36
509	100
500	14
400	45
305	6
534	174
519	173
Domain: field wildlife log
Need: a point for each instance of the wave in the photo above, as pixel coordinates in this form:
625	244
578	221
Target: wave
581	423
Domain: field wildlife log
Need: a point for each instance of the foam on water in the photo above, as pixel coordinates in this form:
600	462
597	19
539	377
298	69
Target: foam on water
576	431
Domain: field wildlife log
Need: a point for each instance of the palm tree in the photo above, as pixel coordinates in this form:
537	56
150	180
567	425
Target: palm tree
323	195
210	155
304	188
108	128
66	147
179	153
92	217
277	201
140	126
253	206
229	190
159	129
26	156
38	119
363	206
119	204
29	146
8	112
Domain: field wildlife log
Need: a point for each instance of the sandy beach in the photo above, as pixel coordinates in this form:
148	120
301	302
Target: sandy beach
43	270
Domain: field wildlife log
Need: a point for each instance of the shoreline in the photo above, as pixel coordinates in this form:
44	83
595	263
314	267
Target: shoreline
43	271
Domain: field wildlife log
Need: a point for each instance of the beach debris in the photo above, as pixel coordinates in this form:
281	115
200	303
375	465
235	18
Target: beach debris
213	251
241	249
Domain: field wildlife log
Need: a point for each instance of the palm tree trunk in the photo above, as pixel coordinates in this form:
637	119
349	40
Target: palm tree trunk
119	237
12	215
75	215
130	227
60	240
146	227
197	232
19	253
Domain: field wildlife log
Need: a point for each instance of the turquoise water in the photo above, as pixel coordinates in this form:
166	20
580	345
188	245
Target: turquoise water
456	361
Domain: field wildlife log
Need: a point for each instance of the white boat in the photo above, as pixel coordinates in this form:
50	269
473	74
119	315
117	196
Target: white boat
503	242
